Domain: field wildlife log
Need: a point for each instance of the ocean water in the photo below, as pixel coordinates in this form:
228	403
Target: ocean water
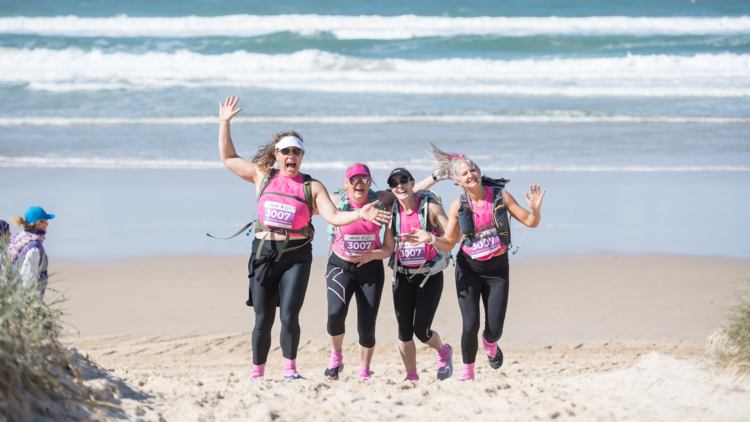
643	105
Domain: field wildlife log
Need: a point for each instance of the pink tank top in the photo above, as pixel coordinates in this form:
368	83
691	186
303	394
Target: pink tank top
488	246
414	255
356	238
282	212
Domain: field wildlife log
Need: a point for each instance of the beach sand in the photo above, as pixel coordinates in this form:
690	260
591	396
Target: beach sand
609	337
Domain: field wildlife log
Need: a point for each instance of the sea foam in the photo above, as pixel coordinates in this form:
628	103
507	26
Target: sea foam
369	27
71	69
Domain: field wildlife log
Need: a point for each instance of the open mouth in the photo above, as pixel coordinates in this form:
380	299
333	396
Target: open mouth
291	166
359	189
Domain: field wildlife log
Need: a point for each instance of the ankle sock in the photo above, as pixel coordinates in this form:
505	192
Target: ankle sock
412	376
364	373
467	372
490	348
258	371
290	368
336	359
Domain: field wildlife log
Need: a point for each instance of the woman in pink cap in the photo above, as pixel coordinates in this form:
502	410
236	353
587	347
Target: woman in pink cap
355	268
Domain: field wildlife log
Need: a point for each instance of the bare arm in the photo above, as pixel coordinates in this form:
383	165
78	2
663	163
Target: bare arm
387	198
332	215
384	251
534	199
238	165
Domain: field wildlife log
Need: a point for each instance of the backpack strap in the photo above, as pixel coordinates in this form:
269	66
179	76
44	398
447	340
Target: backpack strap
263	184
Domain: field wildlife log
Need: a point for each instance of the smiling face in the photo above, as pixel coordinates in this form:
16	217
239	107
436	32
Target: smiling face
357	189
468	176
402	191
288	161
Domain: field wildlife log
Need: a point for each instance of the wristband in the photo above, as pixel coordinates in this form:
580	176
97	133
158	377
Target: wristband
357	212
432	239
434	177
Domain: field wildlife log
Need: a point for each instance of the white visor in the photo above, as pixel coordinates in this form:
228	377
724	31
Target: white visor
290	142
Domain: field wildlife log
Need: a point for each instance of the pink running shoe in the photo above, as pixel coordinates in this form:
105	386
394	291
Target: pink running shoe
364	373
467	373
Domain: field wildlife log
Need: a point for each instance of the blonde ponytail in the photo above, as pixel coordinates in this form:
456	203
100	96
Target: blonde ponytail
450	161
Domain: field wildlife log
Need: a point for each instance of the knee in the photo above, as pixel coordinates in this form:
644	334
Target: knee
424	335
288	320
405	335
471	325
493	334
263	323
367	339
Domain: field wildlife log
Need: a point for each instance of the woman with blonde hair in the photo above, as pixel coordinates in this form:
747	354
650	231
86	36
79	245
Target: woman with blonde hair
479	220
279	267
25	249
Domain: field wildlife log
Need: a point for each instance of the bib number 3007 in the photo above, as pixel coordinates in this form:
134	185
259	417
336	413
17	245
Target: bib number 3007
412	254
485	246
278	215
357	244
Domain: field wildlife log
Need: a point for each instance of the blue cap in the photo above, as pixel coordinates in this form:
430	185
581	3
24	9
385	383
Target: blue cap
35	214
4	227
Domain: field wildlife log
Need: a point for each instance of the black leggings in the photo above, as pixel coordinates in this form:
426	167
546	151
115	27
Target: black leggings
415	307
282	283
344	279
490	280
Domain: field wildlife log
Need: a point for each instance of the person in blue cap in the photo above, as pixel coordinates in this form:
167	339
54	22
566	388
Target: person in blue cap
25	249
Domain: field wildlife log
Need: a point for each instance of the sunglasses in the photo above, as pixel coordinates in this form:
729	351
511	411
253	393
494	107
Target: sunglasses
286	151
355	179
395	182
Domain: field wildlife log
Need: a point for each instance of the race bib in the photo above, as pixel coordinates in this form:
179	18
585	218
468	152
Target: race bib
412	254
278	215
358	244
486	245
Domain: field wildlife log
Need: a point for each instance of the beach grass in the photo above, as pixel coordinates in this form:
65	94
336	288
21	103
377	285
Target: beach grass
735	353
38	380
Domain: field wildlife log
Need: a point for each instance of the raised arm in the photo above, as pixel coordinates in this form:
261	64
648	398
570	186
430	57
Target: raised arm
324	206
386	197
239	166
534	199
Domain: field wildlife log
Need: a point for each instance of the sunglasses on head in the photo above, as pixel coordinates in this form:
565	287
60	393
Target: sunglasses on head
286	151
395	182
355	179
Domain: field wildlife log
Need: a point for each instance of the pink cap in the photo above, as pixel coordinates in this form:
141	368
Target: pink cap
357	169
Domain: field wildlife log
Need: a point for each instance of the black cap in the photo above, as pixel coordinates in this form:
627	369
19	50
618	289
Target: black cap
400	170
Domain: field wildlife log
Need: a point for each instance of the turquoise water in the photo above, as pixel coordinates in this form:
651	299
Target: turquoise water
636	94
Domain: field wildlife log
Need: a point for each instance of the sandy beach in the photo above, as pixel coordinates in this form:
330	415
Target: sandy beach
610	337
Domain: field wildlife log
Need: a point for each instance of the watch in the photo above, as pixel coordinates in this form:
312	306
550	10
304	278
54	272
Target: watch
434	177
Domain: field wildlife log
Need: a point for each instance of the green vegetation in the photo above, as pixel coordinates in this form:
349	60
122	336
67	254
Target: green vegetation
735	354
37	379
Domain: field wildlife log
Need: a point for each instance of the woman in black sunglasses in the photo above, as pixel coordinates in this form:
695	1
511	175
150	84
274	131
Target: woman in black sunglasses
281	257
417	272
355	268
479	219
